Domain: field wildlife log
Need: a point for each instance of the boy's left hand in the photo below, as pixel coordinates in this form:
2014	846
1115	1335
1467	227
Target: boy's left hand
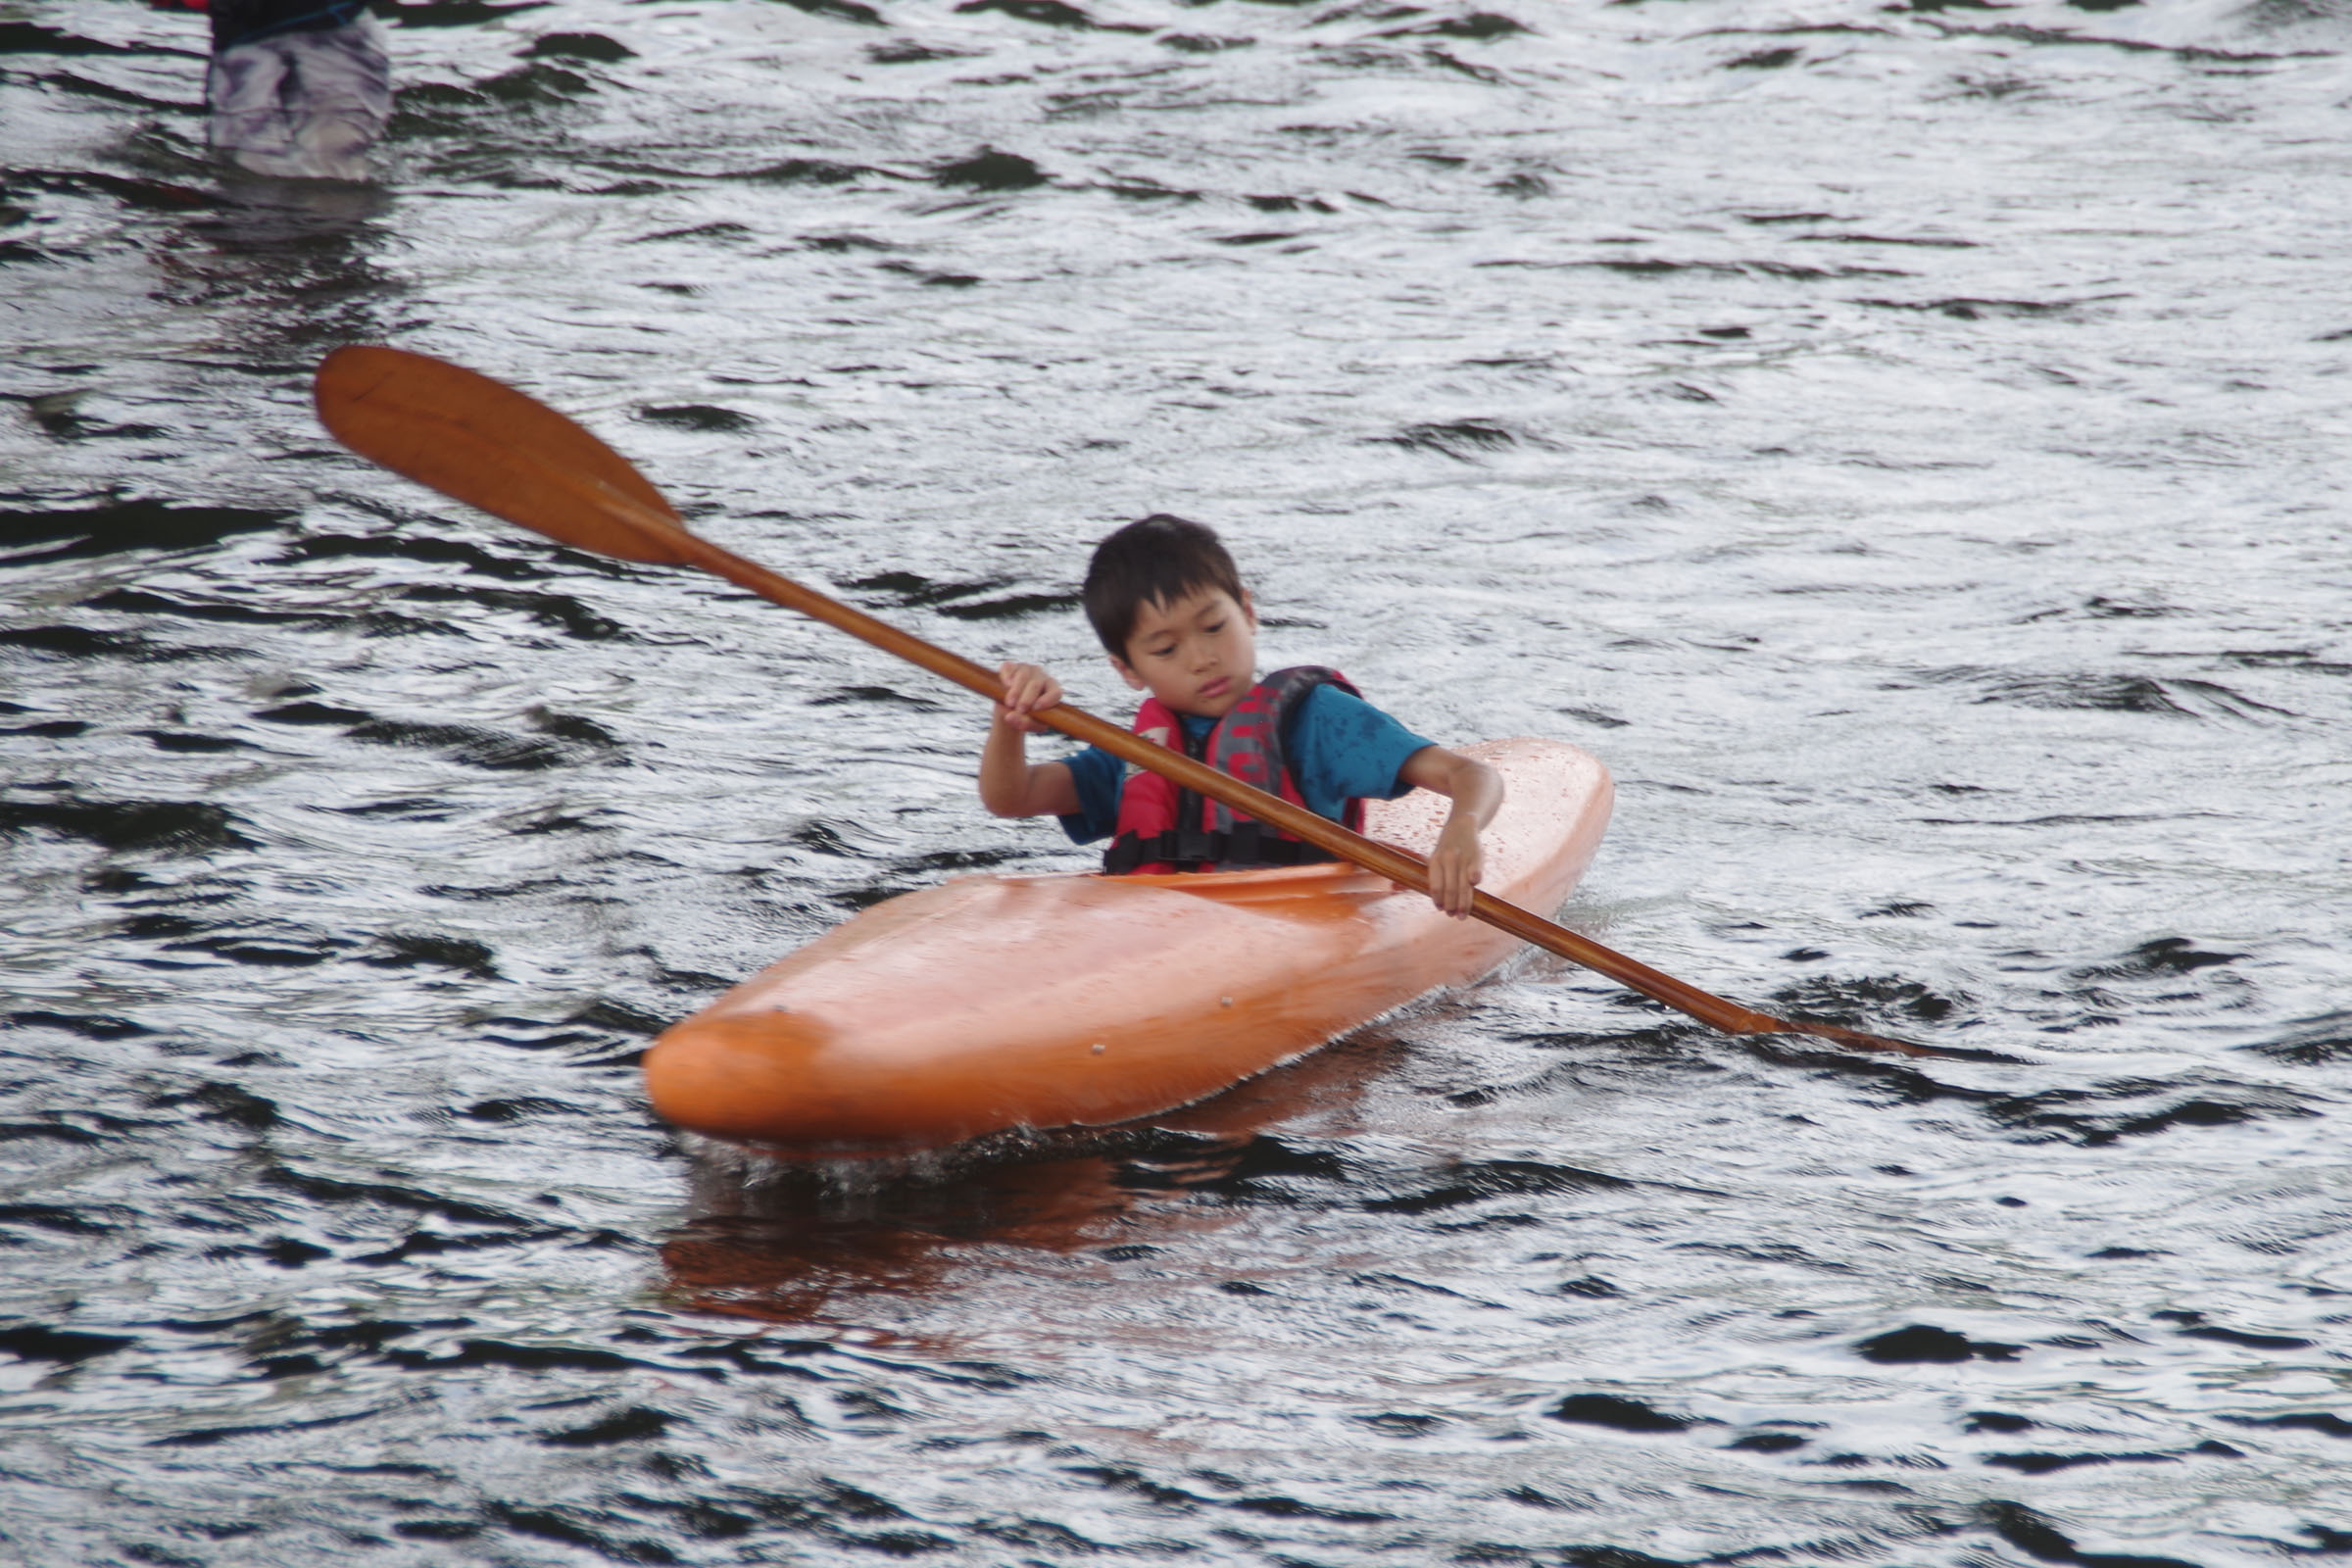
1456	865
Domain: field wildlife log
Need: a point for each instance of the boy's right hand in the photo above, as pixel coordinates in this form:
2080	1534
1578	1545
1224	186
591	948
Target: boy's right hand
1027	688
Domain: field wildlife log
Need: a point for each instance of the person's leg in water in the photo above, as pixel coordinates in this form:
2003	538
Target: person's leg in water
298	88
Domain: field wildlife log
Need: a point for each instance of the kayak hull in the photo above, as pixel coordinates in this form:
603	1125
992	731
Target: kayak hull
990	1004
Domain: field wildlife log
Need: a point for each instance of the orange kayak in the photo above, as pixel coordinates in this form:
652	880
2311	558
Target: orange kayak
989	1004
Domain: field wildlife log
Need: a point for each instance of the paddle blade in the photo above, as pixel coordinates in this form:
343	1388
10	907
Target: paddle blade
492	447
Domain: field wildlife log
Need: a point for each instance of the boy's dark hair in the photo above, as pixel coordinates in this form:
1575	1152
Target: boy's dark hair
1156	562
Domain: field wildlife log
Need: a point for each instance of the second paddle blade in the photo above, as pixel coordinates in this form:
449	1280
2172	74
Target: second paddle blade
494	448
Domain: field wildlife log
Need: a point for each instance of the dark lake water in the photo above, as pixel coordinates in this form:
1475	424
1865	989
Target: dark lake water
1906	442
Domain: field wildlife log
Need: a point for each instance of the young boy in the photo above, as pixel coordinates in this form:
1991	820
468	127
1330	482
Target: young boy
1169	606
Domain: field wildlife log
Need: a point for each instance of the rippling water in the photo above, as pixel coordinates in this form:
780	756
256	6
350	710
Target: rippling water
1904	441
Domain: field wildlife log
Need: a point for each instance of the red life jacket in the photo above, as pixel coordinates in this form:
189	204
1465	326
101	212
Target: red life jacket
1164	828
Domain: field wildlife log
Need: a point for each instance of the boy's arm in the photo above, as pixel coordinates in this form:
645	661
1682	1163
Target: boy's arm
1457	861
1010	785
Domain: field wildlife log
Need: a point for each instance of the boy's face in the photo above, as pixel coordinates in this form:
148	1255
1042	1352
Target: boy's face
1198	655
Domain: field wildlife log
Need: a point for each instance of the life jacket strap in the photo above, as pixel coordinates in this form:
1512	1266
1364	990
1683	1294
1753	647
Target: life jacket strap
1248	844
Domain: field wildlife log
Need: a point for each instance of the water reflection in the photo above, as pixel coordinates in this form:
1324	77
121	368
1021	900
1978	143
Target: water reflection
812	1242
300	258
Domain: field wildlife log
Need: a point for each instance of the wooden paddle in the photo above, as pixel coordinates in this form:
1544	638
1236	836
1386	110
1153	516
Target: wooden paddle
486	444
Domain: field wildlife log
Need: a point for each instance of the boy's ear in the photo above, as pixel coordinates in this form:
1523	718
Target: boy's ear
1134	681
1250	609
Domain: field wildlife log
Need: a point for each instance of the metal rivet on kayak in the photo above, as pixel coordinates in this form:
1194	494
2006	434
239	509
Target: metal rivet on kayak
1097	1048
1224	1001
